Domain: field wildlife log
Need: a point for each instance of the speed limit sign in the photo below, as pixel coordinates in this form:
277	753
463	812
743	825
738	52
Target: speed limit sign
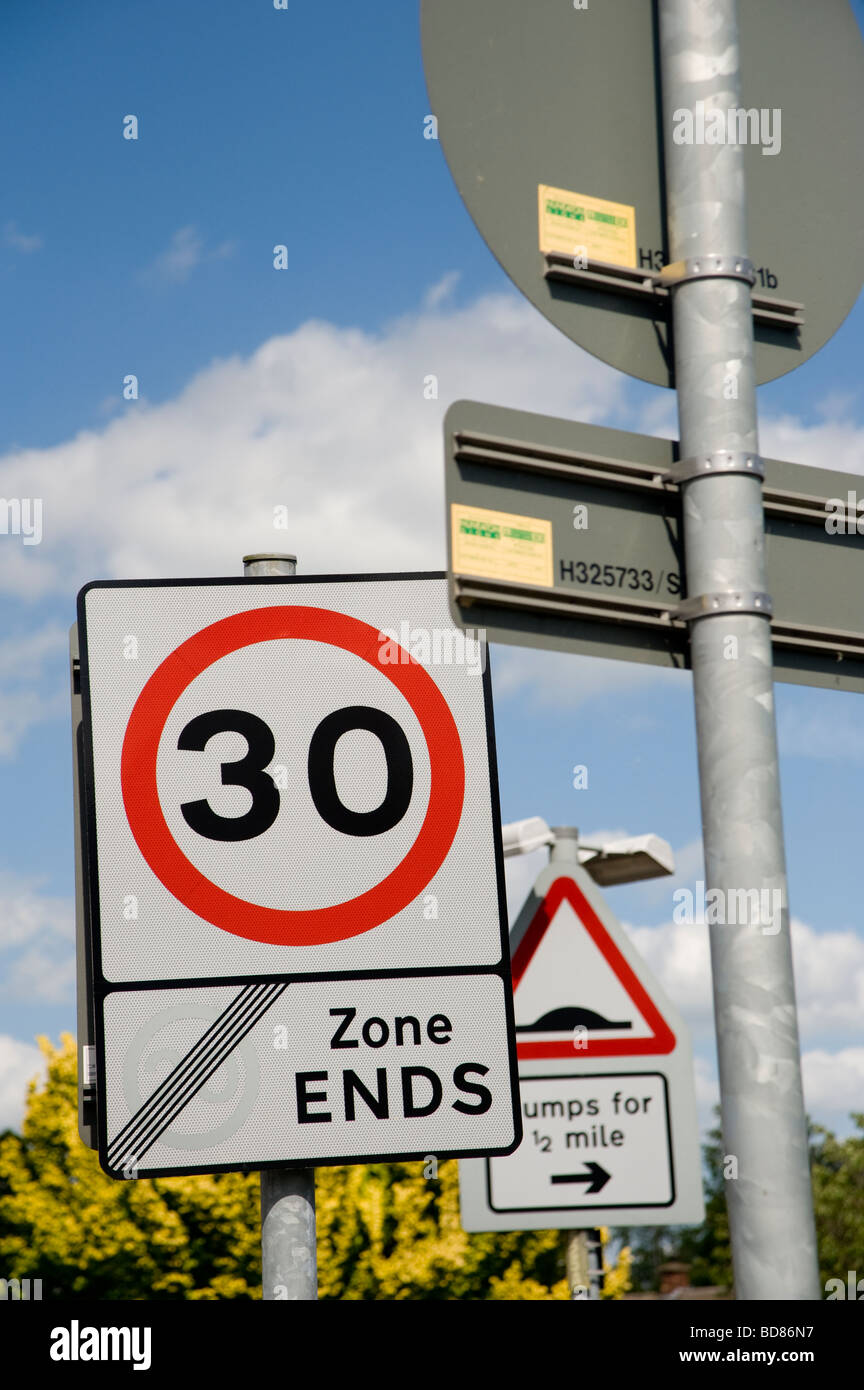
296	924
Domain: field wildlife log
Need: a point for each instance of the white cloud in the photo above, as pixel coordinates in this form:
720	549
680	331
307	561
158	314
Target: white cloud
323	421
333	425
833	1088
839	441
829	981
25	654
707	1089
838	405
20	1063
660	416
19	241
41	976
184	254
442	291
25	697
829	976
689	865
25	914
37	933
834	1081
678	955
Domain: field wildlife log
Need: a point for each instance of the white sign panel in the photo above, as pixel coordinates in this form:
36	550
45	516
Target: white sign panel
610	1134
583	1132
297	911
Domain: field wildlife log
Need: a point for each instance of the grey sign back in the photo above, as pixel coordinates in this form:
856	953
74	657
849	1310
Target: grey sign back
531	92
84	970
610	537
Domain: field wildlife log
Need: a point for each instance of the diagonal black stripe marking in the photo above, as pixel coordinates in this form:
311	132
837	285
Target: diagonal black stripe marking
184	1071
216	1027
225	1022
192	1073
194	1069
150	1124
190	1082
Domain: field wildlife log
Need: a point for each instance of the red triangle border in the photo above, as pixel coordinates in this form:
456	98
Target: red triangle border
662	1040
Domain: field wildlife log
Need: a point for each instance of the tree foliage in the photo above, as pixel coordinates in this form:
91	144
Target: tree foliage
837	1170
85	1235
385	1231
838	1199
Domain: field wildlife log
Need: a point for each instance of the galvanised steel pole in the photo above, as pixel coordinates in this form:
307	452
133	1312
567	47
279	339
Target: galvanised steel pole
289	1265
770	1201
565	850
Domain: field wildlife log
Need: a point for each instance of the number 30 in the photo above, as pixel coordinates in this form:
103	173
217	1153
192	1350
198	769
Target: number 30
248	772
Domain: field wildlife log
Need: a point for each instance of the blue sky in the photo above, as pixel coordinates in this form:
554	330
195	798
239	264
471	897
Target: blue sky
305	387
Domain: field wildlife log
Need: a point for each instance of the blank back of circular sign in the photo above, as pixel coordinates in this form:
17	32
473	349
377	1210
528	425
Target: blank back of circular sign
530	92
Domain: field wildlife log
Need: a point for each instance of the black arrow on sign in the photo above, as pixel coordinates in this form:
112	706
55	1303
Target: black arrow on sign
596	1176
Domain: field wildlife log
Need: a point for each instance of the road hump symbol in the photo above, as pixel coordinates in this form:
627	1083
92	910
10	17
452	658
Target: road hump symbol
575	993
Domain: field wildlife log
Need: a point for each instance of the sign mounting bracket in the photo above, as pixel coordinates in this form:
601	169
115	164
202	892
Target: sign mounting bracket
653	286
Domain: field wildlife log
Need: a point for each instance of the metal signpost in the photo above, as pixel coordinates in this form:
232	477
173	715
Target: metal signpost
770	1204
624	162
606	1076
289	1248
293	891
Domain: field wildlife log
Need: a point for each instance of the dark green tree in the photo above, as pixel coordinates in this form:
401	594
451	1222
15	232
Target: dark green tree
838	1199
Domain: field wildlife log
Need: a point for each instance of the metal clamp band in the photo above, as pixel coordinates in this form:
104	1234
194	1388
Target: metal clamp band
732	601
708	268
723	461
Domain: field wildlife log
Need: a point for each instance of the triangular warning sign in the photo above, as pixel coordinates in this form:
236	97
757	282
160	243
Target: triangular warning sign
568	975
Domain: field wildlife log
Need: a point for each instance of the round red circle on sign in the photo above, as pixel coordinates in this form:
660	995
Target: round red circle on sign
281	926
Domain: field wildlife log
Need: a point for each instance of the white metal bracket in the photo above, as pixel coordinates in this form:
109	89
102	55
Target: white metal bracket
731	601
723	461
708	268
